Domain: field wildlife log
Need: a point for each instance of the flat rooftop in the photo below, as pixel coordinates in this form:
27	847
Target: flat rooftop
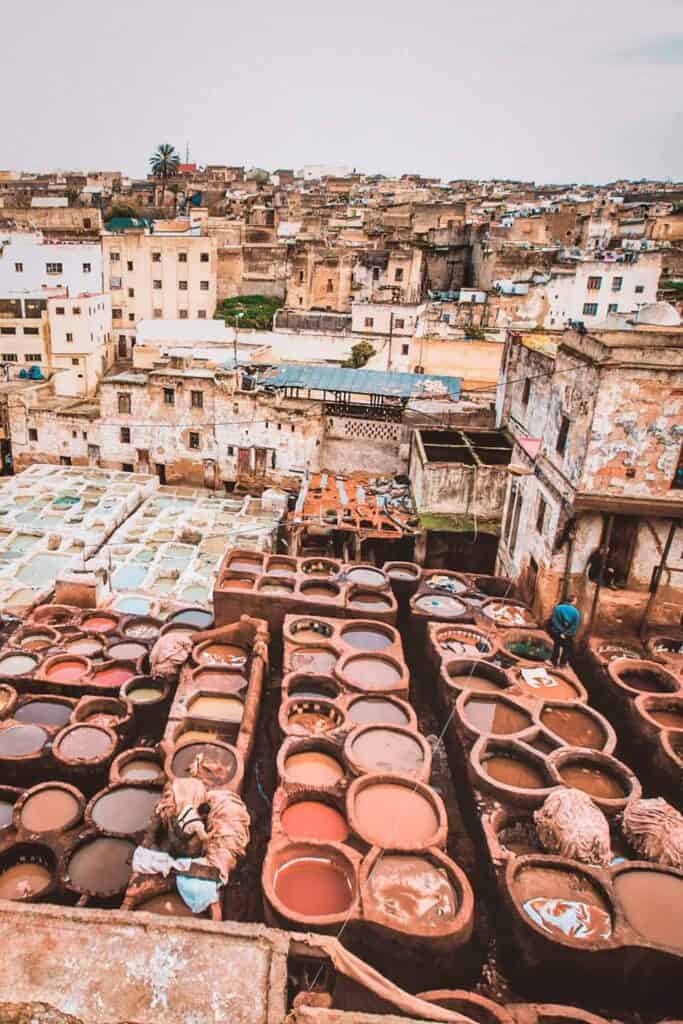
467	447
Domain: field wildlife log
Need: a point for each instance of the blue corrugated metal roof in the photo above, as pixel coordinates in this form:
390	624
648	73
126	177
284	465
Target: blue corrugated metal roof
362	382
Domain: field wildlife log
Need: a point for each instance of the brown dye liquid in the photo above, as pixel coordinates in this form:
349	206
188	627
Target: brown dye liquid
23	880
496	717
140	769
18	740
313	768
413	891
85	743
310	722
366	639
576	727
222	654
389	814
311	819
36	642
664	716
221	680
276	587
101	865
44	712
129	809
474	682
320	590
103	719
375	709
372	673
593	781
313	660
647	682
371	602
89	648
169	904
313	887
6	811
552	688
652	902
215	765
384	750
513	771
49	810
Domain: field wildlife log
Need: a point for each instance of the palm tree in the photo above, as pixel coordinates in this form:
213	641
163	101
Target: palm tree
164	164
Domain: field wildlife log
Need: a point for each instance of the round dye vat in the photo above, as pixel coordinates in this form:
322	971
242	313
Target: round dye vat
569	919
530	649
225	709
144	694
378	749
652	902
543	684
304	718
514	771
576	727
140	769
50	810
37	641
645	680
6	812
313	768
396	573
312	819
310	631
668	718
20	740
244	564
44	712
310	688
225	680
592	780
85	743
197	618
221	654
99	624
412	891
371	673
67	671
324	590
496	716
22	881
312	659
375	709
215	765
168	904
17	664
390	815
366	638
280	569
366	576
440	604
313	887
127	651
101	865
277	586
370	602
133	605
113	676
141	629
476	681
125	810
88	647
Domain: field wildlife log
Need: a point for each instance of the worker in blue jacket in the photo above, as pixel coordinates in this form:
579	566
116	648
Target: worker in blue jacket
564	624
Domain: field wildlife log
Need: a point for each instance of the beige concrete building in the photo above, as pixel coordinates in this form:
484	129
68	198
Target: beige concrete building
157	276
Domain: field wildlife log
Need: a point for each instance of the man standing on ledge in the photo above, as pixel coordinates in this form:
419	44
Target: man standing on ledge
564	623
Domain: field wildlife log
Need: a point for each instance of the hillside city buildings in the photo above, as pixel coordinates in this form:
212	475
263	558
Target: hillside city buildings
519	362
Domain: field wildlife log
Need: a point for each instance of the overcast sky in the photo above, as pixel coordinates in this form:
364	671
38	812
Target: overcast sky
588	90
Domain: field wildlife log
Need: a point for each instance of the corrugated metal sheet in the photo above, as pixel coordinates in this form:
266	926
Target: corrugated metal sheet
362	382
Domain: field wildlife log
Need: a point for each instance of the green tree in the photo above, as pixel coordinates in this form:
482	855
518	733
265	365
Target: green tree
164	164
256	311
360	355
